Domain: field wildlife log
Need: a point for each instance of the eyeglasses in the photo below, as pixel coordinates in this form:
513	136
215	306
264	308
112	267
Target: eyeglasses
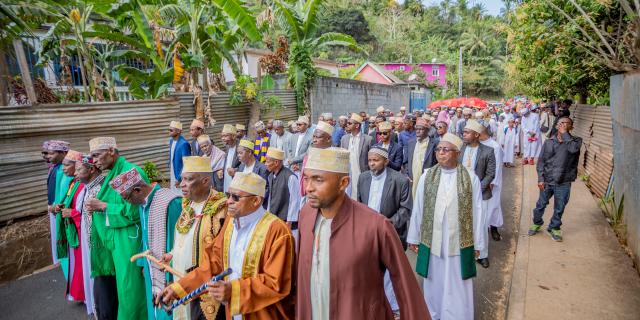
235	197
385	133
444	149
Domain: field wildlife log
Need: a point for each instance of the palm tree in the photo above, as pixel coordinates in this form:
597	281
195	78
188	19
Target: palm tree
300	21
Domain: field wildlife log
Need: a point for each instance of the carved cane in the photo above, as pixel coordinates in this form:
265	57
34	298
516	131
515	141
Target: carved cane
147	254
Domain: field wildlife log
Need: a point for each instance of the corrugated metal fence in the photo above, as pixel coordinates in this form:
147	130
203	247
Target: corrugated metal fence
139	127
594	126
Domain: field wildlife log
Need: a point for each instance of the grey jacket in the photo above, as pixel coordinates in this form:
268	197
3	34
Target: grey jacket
396	202
195	148
288	147
365	144
307	137
485	167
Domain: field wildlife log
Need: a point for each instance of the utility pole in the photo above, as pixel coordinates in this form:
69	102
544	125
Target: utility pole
460	74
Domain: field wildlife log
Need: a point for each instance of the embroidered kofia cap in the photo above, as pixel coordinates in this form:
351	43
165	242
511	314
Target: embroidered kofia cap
203	138
380	151
229	128
196	164
123	182
241	127
327	116
325	127
330	160
259	125
176	125
467	111
45	145
58	145
403	108
303	119
275	153
249	183
384	126
453	139
197	123
356	117
102	143
380	109
247	144
73	155
475	126
421	122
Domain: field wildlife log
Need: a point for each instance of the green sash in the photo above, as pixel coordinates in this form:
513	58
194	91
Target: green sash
67	236
465	221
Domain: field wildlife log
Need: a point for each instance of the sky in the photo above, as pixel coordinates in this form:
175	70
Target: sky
493	6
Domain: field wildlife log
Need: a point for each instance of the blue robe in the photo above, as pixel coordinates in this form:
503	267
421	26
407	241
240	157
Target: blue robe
183	149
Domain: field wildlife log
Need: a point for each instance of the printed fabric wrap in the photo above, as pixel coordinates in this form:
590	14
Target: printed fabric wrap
67	236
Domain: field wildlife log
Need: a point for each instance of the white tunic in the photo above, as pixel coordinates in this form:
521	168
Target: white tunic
531	123
510	145
243	228
446	294
495	207
321	269
182	257
354	161
86	254
229	163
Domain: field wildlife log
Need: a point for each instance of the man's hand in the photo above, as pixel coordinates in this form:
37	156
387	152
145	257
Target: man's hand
220	290
166	297
289	224
231	171
413	248
166	259
66	213
477	254
541	186
96	205
220	174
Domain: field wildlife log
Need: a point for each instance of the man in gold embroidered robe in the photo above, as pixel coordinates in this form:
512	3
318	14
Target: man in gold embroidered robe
203	213
446	231
258	247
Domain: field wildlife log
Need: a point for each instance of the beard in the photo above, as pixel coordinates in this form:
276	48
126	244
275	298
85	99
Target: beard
377	172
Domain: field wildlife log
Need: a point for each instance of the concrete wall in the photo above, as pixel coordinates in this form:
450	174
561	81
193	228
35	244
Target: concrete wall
625	111
341	96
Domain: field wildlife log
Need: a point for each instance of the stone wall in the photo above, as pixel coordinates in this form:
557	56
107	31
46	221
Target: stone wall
340	96
625	111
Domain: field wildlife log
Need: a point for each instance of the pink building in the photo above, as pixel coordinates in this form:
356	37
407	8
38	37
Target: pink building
382	72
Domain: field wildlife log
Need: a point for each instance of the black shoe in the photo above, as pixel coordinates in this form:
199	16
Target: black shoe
495	234
483	262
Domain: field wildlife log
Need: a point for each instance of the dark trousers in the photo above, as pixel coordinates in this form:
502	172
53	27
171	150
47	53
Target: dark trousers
105	296
560	194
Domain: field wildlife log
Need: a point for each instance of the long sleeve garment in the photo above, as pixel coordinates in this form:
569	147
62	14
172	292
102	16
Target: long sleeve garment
363	244
558	162
262	276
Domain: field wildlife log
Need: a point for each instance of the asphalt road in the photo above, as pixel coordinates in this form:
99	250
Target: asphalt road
41	296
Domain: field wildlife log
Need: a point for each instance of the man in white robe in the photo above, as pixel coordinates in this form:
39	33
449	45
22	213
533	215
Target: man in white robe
448	296
494	209
510	143
531	137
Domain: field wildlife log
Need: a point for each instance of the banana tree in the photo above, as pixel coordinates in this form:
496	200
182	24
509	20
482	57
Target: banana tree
300	21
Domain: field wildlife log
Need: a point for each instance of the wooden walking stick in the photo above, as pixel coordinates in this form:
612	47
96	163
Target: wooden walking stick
147	254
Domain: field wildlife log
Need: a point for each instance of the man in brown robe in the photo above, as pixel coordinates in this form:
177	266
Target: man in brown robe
258	247
345	249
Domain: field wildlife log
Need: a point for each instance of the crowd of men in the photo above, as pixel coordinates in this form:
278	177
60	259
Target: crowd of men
312	219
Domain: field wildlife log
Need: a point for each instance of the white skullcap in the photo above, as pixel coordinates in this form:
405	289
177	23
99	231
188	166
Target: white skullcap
475	126
453	139
325	127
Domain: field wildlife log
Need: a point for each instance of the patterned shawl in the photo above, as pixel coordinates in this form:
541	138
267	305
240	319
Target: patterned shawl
157	235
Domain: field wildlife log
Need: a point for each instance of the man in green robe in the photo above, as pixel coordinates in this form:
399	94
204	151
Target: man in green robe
159	212
116	234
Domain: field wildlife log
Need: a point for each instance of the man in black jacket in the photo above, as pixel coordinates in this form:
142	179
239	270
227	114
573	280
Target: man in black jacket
557	168
482	160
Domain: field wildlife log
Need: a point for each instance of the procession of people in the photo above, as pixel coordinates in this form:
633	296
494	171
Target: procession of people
303	220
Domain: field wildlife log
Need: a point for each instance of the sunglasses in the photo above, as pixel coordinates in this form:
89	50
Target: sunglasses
444	149
350	122
235	197
385	133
